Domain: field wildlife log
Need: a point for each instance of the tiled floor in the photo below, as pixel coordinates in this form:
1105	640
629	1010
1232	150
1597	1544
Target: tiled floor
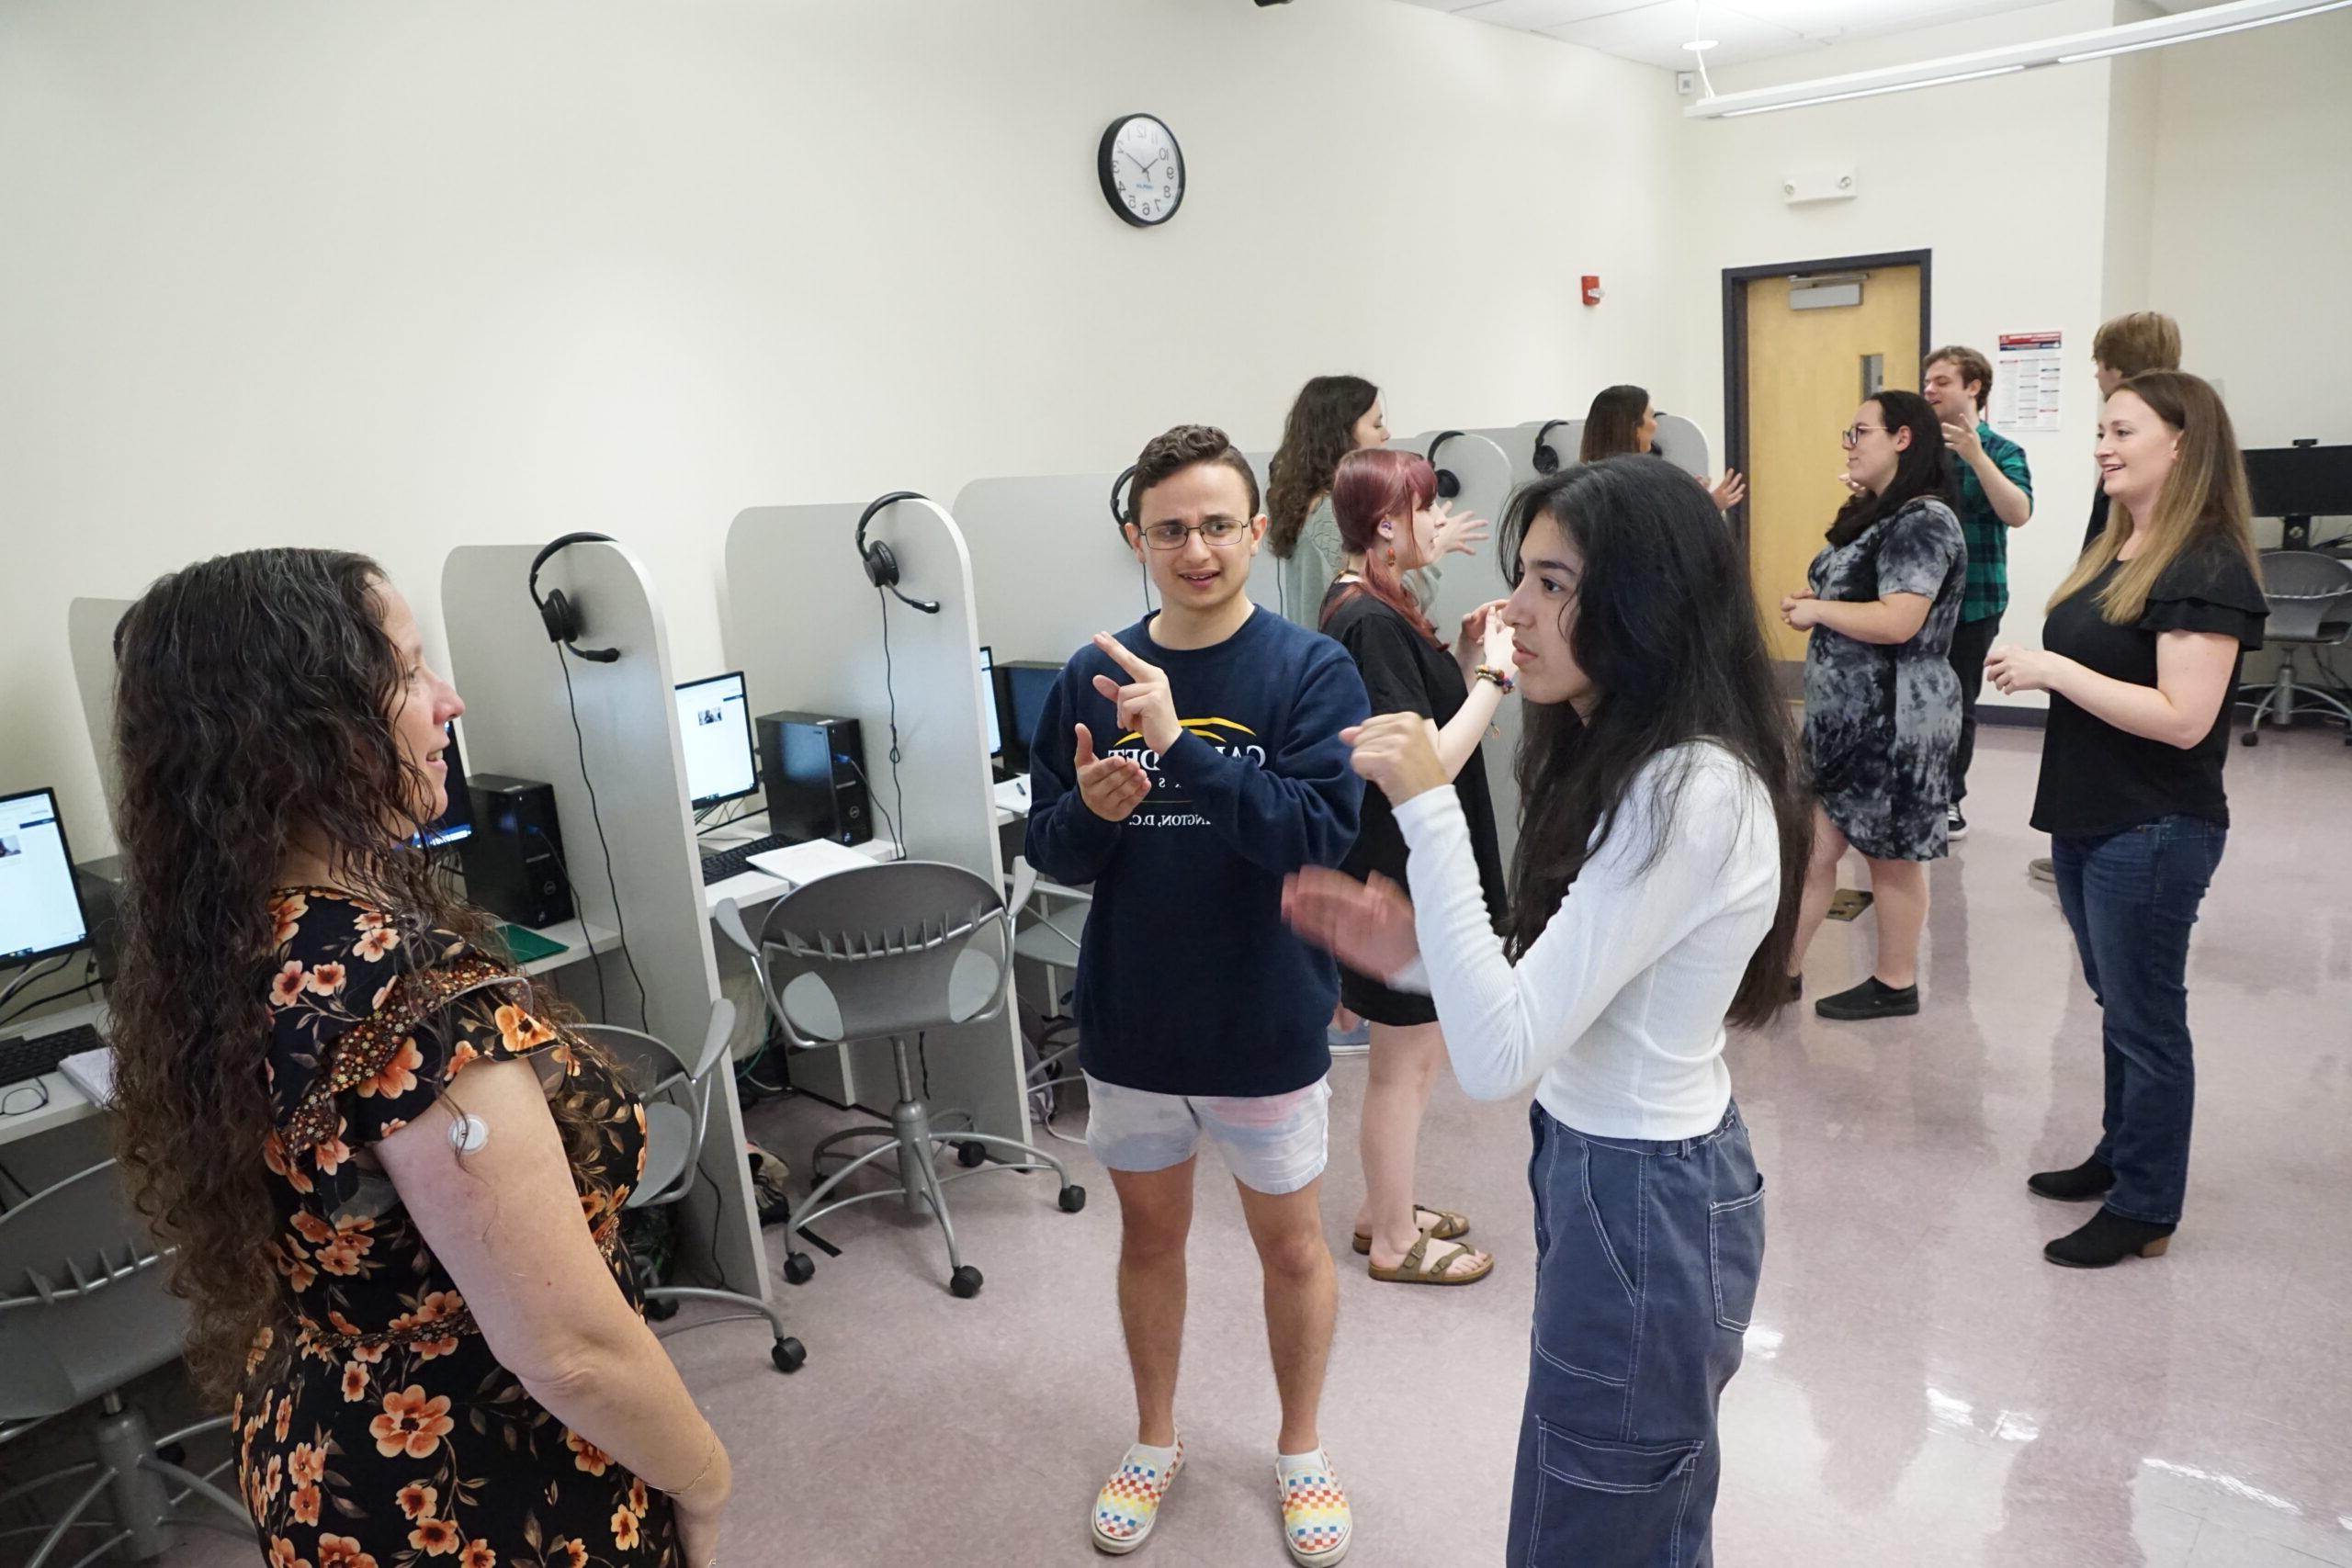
1920	1387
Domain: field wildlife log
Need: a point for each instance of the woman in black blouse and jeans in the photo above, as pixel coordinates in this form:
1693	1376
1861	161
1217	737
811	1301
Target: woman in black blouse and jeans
2139	655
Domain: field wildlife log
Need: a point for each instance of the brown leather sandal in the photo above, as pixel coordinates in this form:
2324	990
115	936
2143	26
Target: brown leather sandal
1420	1268
1450	1227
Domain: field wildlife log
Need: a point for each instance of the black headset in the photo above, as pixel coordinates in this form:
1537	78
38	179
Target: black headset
558	613
881	564
1119	500
1546	460
1448	483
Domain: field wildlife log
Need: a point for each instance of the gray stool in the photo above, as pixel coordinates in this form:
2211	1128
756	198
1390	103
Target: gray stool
82	1311
889	952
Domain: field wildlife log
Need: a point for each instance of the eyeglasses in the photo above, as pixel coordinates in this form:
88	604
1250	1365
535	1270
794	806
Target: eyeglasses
1854	432
1219	532
24	1098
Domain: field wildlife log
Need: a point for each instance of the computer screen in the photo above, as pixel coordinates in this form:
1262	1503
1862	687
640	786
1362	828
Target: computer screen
715	723
455	824
40	903
1026	688
2300	482
988	684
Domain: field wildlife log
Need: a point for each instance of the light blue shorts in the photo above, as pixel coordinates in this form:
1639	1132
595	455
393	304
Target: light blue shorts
1274	1144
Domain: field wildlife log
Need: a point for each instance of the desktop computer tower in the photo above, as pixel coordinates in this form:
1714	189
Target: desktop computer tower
514	861
813	766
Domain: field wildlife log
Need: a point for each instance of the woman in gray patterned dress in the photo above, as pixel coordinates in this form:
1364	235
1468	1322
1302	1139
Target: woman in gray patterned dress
1882	705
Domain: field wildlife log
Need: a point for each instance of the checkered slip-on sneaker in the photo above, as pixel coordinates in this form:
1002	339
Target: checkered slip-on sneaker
1128	1505
1317	1525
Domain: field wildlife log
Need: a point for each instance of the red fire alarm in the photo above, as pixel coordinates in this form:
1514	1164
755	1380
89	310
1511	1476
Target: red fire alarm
1591	289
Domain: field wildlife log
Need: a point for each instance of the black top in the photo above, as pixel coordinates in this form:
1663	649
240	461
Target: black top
2096	778
1406	672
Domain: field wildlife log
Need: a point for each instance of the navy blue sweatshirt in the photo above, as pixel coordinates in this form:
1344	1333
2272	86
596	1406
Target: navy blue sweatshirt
1187	981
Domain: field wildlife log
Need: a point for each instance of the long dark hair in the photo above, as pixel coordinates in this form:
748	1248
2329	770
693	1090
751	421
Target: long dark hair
255	696
1922	468
1367	487
1664	625
1613	426
1320	430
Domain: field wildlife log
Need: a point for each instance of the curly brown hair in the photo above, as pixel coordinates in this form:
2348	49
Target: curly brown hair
1173	451
1320	430
254	698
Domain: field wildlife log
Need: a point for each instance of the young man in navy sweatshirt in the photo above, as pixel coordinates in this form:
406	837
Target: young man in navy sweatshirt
1184	767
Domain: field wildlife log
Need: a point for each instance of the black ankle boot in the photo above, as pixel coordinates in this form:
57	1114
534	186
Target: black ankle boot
1873	998
2107	1240
2087	1180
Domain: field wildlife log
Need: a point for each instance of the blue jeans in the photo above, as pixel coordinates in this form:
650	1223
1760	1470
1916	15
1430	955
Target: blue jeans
1646	1257
2131	899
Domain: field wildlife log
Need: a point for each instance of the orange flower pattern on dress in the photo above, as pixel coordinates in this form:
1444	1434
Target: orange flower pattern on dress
410	1423
434	1538
383	1433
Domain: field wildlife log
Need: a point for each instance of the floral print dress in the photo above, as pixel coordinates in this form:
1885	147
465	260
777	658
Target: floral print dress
375	1428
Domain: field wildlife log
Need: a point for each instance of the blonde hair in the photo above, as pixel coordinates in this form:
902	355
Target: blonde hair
2204	499
2138	343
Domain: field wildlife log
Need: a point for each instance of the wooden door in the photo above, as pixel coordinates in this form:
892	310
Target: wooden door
1808	369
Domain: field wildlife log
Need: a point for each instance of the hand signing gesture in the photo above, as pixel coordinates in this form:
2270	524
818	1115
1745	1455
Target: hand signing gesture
1398	752
1145	704
1368	926
1112	786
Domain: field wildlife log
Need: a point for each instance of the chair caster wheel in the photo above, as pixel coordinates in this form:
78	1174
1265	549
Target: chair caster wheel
798	1268
966	1282
787	1355
971	1155
2251	737
1073	1198
661	1311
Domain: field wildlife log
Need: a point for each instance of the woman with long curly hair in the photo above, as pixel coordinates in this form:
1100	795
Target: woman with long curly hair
1332	416
391	1175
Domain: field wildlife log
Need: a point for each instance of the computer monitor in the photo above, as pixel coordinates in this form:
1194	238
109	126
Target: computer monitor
715	724
988	684
2300	482
1026	686
40	901
456	823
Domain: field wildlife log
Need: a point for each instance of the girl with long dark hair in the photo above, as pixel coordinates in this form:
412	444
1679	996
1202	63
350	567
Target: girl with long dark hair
1332	416
1622	423
1882	704
2140	655
412	1284
1652	896
1383	502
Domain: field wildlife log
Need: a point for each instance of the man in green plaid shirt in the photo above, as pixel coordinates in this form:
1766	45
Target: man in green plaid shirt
1996	496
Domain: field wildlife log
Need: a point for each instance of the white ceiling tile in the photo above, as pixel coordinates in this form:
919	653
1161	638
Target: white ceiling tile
1445	5
1537	15
1654	34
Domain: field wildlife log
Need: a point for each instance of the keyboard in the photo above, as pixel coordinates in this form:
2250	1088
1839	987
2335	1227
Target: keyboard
28	1056
717	865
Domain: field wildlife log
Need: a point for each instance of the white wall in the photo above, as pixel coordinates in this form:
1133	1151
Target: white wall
2004	180
2253	223
400	277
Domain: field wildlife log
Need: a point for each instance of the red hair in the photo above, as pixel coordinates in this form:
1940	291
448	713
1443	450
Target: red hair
1369	488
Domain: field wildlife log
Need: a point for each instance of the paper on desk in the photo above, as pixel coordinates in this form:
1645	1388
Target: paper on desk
92	1072
803	863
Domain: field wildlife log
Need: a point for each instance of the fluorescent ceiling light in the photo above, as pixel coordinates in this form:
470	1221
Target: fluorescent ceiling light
2232	15
1874	91
1697	44
2236	27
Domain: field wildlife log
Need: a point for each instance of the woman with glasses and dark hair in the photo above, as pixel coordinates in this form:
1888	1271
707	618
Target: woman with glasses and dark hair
1882	705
